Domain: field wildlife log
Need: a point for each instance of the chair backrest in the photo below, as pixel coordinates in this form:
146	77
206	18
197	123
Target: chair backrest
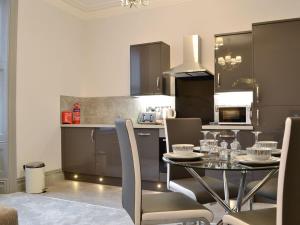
181	131
288	194
131	171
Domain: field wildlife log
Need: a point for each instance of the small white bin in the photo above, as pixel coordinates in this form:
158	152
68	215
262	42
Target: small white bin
35	177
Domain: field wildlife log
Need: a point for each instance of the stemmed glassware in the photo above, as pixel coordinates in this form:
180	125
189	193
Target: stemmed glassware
205	132
215	134
204	144
214	149
256	133
235	145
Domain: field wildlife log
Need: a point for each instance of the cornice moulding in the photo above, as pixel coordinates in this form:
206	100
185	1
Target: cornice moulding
85	14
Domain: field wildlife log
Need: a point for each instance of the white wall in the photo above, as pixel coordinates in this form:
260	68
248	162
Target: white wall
49	64
109	39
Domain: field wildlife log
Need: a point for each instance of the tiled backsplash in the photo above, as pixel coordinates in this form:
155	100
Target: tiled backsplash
104	110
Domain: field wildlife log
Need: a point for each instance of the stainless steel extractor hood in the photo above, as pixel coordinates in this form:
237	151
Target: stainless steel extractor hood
191	65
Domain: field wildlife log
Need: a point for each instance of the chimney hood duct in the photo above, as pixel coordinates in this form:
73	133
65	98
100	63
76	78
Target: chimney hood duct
191	60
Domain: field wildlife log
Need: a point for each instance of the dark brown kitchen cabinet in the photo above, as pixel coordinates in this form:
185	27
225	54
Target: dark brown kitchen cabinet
147	64
107	153
148	147
276	74
233	61
78	150
271	121
276	50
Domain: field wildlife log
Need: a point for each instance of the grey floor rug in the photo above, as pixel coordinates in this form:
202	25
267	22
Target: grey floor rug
42	210
53	210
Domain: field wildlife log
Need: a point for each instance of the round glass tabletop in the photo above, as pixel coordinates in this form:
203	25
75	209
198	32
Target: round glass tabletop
215	163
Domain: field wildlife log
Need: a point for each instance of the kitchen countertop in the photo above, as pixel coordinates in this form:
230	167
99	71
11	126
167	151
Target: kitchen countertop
227	127
146	126
156	126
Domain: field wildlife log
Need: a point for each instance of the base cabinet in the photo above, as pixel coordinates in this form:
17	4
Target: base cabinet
107	153
96	152
148	146
78	150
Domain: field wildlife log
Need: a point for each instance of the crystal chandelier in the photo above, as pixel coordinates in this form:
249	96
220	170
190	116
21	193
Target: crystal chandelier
130	3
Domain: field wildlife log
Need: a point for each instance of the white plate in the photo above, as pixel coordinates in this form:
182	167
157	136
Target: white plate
276	152
245	159
198	148
191	155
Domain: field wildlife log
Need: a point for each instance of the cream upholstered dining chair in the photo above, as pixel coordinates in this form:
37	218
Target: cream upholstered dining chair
288	195
151	208
188	131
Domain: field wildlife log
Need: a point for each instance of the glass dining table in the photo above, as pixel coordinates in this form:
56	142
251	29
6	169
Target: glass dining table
209	162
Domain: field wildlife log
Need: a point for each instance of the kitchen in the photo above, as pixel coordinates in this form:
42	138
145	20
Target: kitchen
233	89
88	62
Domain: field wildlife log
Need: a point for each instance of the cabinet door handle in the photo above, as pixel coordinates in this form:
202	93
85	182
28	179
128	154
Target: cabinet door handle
157	82
218	80
257	94
257	117
144	134
92	135
251	112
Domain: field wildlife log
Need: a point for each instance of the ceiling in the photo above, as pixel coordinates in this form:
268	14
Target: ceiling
93	5
88	9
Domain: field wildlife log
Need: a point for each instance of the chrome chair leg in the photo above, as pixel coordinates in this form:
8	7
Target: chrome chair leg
251	204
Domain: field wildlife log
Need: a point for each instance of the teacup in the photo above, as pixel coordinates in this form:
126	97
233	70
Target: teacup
182	149
259	154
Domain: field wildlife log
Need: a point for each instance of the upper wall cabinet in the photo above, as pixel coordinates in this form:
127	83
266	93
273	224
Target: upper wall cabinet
147	64
233	61
276	49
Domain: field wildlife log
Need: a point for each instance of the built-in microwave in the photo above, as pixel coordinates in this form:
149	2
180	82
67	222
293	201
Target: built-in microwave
233	115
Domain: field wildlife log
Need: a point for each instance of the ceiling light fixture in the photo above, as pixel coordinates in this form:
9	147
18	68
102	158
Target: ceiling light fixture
130	3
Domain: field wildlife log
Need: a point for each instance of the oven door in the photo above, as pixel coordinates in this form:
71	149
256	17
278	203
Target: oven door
233	115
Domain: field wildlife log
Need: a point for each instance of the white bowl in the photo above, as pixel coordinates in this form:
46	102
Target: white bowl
208	144
182	149
259	154
267	144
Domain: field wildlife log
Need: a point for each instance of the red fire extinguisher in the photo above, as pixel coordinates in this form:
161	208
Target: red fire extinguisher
76	113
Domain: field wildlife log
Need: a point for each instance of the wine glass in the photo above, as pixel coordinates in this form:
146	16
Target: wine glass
205	132
214	148
224	144
256	133
215	134
235	145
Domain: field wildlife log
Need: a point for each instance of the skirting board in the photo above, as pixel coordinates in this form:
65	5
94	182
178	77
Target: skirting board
50	176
